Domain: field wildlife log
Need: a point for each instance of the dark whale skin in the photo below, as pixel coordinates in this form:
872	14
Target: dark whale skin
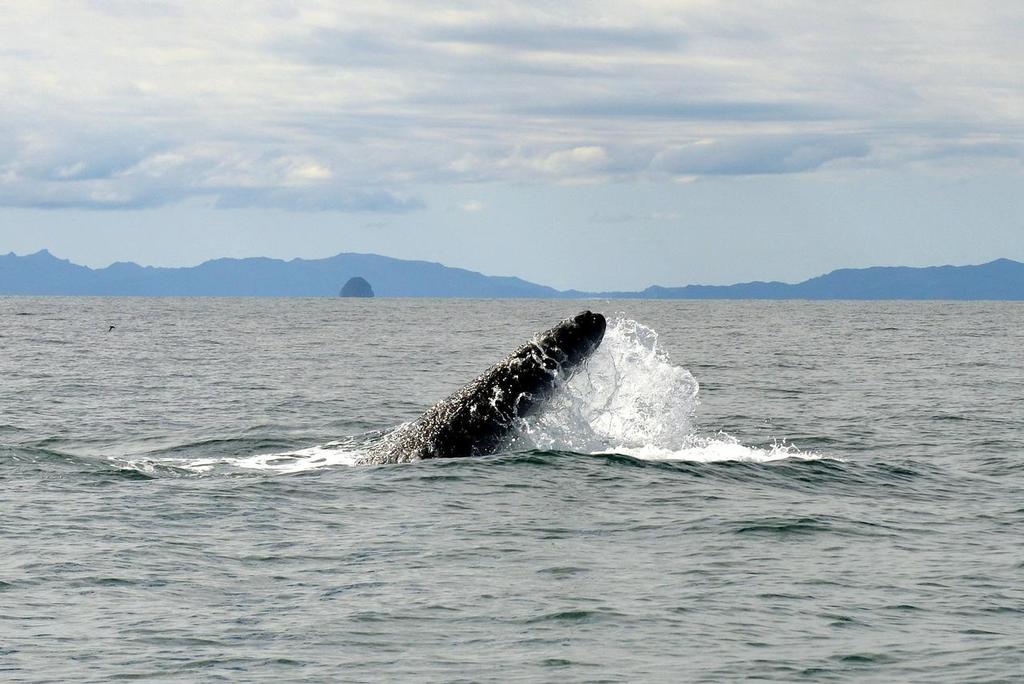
478	419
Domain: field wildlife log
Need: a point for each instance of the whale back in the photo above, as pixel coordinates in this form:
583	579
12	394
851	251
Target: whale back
478	419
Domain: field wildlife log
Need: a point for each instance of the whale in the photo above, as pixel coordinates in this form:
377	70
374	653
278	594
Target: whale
480	418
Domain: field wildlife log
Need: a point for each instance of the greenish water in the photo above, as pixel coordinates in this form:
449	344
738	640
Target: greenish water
183	501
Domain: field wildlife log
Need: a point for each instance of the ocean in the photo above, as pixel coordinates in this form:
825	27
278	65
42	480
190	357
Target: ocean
772	491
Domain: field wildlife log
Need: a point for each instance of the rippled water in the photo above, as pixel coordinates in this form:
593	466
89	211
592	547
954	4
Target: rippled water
842	499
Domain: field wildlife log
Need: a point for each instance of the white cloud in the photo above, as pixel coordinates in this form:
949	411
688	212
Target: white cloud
576	161
112	103
304	171
757	155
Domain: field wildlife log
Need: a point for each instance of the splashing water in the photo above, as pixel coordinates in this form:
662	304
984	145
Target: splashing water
629	399
628	395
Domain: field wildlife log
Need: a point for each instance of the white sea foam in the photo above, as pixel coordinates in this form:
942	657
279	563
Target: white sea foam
301	460
721	447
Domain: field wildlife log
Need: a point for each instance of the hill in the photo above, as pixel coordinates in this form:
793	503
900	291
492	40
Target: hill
1002	279
44	274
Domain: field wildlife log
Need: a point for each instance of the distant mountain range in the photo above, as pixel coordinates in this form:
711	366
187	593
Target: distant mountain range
1002	279
44	274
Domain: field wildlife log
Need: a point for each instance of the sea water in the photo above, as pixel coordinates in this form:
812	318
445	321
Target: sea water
787	491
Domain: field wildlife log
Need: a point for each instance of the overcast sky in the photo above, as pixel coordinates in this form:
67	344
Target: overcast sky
594	145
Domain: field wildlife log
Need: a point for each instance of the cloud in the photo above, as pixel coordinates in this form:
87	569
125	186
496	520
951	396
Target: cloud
575	161
79	156
124	174
472	206
347	47
320	199
639	109
547	37
992	149
757	155
353	106
136	8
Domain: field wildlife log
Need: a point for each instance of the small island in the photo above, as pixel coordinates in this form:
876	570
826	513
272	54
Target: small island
356	287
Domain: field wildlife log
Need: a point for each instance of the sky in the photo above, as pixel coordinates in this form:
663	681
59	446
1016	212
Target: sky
592	145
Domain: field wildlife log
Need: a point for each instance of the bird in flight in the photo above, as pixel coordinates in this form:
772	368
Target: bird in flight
111	328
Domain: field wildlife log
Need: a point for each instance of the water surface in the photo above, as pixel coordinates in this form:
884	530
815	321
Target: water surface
840	500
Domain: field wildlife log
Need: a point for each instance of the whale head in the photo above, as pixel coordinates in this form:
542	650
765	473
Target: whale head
572	341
